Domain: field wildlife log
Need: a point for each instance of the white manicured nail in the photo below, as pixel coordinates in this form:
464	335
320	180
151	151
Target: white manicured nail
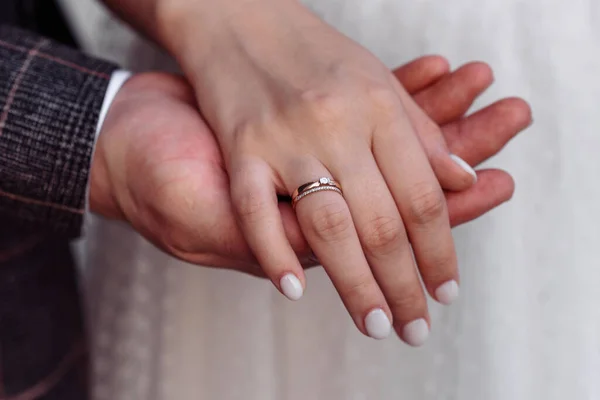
463	164
415	333
447	292
291	287
378	324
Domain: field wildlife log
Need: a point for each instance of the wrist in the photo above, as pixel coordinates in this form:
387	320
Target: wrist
100	199
100	188
195	32
182	24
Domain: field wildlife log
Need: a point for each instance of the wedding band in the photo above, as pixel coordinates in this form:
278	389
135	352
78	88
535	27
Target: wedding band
314	187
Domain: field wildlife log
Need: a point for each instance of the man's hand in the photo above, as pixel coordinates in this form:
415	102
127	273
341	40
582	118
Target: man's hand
446	98
158	166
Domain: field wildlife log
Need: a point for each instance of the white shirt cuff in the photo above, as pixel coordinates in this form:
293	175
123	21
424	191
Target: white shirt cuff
117	80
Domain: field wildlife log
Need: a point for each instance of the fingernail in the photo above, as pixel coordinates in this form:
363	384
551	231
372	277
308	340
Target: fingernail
291	287
447	292
378	324
415	333
463	164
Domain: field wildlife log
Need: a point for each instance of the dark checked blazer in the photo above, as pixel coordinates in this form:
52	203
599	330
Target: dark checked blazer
50	99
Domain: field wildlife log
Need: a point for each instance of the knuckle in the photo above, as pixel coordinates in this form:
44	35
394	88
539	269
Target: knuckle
359	287
383	99
247	132
172	204
426	204
325	106
249	206
383	235
443	266
406	299
331	222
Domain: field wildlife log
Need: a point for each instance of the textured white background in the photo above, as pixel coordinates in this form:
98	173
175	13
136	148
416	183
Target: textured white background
528	323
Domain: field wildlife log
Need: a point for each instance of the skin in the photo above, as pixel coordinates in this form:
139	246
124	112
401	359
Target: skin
159	167
290	100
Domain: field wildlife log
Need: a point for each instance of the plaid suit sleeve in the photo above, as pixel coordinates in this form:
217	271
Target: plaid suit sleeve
50	100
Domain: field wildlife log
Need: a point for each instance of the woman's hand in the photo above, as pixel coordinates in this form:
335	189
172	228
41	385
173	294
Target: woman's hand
291	101
158	166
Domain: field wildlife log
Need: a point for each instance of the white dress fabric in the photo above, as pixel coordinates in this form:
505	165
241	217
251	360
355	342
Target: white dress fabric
527	325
